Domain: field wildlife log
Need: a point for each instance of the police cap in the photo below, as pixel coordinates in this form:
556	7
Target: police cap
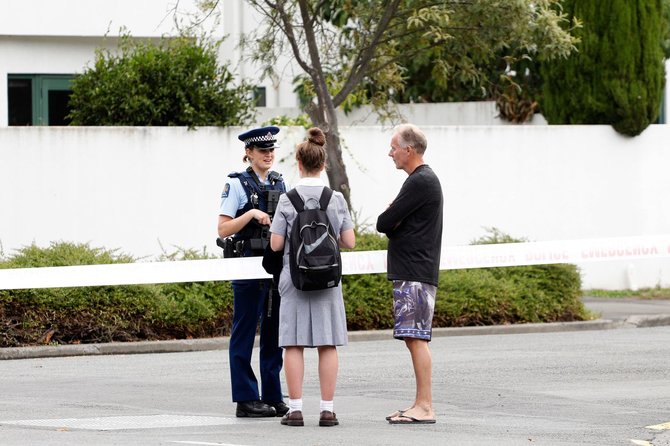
261	138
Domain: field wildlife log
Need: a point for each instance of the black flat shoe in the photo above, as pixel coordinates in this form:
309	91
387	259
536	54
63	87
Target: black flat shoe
254	409
280	407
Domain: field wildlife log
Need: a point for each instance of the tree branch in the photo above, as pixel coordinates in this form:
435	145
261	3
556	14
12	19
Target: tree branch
287	28
362	61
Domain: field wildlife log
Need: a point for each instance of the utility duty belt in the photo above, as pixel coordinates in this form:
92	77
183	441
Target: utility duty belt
235	247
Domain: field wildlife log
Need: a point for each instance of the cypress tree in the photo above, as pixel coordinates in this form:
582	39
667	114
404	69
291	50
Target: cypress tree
617	77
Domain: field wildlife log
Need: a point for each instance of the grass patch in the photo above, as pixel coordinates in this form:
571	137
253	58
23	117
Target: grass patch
642	293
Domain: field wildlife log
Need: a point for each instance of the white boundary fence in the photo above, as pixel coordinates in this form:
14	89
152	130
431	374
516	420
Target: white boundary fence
361	262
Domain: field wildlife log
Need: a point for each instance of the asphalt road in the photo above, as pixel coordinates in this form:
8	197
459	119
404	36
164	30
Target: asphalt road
596	387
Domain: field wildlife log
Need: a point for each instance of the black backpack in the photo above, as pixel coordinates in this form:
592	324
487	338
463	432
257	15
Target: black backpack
314	251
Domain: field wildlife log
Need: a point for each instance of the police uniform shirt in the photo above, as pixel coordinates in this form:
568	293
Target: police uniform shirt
233	198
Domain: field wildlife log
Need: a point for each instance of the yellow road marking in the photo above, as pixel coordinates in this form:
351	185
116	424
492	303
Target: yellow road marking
641	443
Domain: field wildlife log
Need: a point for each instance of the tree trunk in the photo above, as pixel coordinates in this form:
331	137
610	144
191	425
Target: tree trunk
325	118
337	172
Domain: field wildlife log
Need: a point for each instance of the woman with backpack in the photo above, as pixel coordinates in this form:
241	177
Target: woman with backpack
310	318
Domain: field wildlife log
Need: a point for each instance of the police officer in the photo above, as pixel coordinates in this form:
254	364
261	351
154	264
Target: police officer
247	204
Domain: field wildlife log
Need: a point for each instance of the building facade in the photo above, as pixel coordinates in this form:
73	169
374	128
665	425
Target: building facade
45	43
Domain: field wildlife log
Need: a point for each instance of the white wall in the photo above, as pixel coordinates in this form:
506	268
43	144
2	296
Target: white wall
139	188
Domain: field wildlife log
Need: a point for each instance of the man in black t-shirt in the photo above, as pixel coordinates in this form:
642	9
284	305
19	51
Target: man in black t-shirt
413	225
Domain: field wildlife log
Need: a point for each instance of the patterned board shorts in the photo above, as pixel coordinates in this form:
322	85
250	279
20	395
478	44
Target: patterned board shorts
413	307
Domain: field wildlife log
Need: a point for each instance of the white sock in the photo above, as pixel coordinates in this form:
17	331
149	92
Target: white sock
294	405
327	405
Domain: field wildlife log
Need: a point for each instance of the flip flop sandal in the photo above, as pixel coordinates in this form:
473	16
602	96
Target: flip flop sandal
395	414
406	419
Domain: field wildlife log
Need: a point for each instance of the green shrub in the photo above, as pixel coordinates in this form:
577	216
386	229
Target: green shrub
368	301
108	313
70	315
539	293
371	242
542	293
482	296
301	120
368	298
195	309
472	297
174	82
517	294
63	254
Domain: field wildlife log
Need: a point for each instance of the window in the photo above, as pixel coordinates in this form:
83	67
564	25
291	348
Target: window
38	99
19	98
259	96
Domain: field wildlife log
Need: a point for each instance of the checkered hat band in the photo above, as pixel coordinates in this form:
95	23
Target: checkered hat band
263	138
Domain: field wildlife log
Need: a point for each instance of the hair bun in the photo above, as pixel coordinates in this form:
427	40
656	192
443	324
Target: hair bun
316	136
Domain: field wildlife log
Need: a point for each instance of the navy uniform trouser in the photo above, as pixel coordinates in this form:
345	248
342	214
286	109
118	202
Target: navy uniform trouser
251	303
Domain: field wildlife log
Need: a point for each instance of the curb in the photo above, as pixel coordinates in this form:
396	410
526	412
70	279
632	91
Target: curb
207	344
647	321
115	348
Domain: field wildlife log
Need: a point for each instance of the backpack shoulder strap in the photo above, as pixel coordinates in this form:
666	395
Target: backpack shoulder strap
325	197
296	201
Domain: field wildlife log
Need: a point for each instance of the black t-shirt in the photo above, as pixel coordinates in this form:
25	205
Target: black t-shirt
413	224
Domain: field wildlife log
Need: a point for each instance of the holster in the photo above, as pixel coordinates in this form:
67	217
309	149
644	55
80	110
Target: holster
231	247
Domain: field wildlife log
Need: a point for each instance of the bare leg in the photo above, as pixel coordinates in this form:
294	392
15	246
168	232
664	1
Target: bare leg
328	365
423	364
294	368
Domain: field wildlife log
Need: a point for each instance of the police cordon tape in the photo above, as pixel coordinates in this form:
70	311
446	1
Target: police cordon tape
359	262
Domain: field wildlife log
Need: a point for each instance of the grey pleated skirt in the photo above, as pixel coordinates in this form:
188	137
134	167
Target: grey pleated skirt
310	318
